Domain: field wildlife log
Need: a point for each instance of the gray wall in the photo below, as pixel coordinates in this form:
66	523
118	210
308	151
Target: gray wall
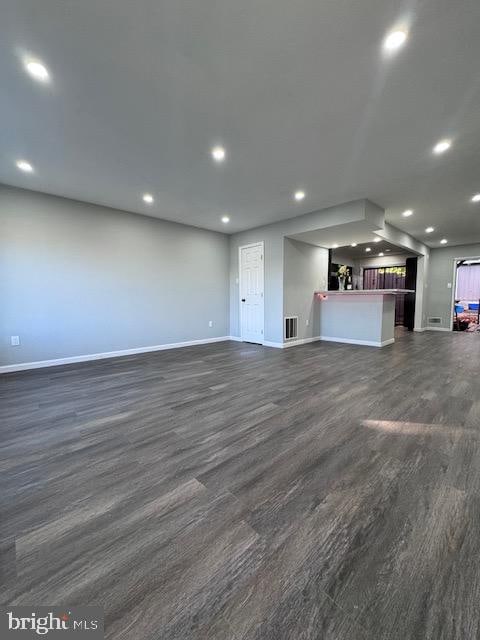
79	279
305	271
439	294
273	284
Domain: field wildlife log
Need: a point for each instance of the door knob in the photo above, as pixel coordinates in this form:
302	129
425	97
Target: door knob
243	299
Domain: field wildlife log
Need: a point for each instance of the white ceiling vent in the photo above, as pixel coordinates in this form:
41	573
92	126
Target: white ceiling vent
291	327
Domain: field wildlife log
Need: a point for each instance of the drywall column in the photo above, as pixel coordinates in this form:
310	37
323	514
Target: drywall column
421	293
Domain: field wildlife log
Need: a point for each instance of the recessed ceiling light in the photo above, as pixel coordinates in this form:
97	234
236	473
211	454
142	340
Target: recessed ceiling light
381	254
368	249
429	230
225	219
218	154
476	197
387	250
148	198
394	40
37	70
377	239
23	165
335	246
354	244
442	146
299	195
443	241
407	213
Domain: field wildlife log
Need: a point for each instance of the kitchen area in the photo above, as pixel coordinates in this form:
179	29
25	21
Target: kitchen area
371	291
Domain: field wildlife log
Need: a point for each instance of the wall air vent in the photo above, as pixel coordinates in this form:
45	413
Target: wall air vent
434	320
291	327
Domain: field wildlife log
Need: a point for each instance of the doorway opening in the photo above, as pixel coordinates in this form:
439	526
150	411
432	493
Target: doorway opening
466	298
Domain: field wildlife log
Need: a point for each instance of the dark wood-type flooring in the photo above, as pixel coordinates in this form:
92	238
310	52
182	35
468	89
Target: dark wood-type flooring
235	492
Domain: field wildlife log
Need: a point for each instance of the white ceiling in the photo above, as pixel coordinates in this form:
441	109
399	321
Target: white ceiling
300	94
359	253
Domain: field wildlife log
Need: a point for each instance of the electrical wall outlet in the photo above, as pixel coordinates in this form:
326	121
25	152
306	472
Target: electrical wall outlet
307	322
210	323
15	341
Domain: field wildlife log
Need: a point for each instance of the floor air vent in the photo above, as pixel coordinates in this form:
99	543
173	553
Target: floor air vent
434	320
291	327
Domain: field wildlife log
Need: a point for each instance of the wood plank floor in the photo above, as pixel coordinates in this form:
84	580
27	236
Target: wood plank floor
235	492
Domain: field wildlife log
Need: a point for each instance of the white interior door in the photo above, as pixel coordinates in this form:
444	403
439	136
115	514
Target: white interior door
251	293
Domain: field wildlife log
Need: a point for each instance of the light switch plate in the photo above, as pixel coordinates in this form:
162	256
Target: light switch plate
15	341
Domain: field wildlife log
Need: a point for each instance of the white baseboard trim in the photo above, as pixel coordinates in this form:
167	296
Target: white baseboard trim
23	366
384	343
56	362
275	345
290	343
438	329
294	343
419	329
365	343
